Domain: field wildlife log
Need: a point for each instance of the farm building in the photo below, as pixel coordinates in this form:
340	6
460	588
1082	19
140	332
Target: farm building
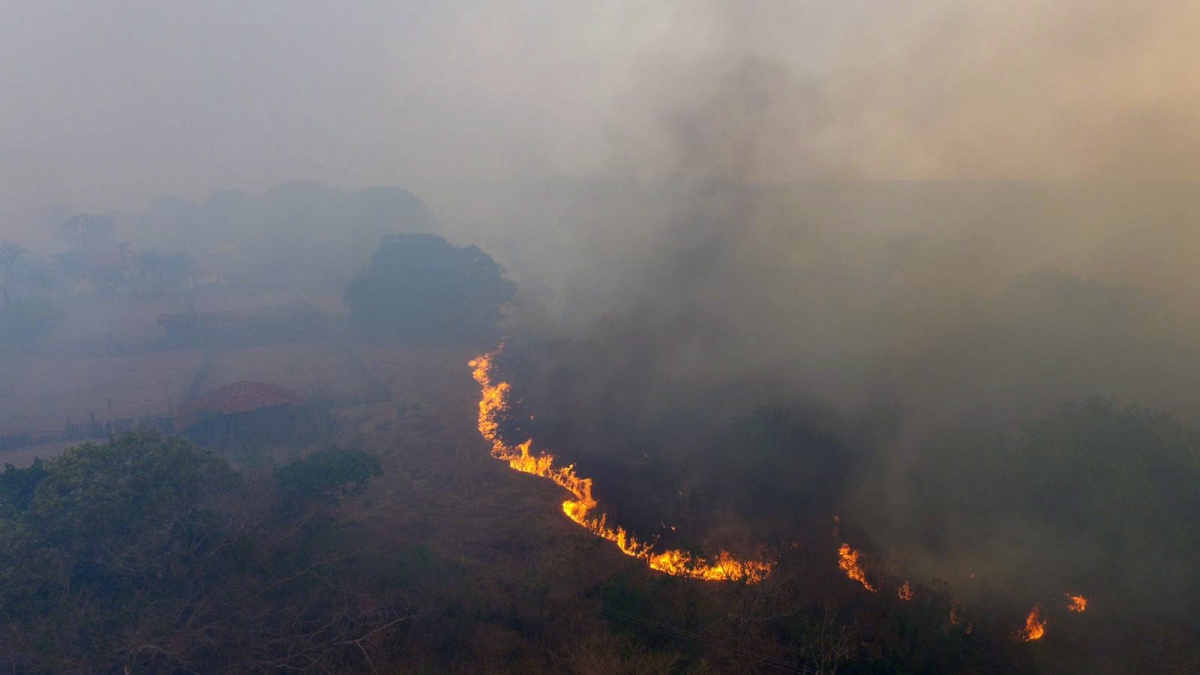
247	412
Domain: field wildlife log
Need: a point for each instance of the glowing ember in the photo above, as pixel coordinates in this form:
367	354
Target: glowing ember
1035	626
848	561
905	592
1077	603
494	403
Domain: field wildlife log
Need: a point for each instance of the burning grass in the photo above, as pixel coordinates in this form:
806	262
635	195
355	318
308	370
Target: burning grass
494	404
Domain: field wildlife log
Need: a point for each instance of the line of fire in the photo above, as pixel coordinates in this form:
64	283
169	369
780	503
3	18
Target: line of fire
584	509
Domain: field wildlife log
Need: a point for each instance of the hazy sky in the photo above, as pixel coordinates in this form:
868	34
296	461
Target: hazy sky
107	104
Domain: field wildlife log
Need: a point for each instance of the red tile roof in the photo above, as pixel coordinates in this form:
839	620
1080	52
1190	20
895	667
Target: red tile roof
239	397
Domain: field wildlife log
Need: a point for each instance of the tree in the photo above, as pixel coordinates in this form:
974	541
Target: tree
25	314
150	554
420	287
85	231
20	275
328	476
162	271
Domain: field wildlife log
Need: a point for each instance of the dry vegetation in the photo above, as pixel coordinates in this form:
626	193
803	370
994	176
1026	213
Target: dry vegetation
131	318
499	579
306	367
39	392
441	487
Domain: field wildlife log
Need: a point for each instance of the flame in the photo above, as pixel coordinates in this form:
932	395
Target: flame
848	561
494	403
1078	603
1035	626
905	592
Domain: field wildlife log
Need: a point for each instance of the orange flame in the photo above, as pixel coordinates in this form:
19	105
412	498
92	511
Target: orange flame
1035	626
1078	603
494	403
848	561
905	592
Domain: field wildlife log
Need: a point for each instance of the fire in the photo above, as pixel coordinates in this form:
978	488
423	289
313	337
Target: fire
1035	626
1077	603
848	561
905	592
494	403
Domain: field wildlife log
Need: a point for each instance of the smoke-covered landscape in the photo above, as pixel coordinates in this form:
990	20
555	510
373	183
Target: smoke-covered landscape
536	337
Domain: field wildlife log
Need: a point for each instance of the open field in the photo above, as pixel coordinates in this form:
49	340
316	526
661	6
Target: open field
442	490
309	368
132	319
41	388
37	393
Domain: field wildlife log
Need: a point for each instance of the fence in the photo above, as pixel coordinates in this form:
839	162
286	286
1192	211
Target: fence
90	430
16	440
93	429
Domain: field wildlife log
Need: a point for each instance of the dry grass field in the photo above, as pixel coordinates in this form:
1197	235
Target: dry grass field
490	544
441	492
442	489
309	368
133	318
39	392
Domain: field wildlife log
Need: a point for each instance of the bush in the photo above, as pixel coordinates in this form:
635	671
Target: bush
327	476
420	287
149	554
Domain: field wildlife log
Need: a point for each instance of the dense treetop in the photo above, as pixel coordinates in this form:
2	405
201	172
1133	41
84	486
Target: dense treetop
150	554
421	287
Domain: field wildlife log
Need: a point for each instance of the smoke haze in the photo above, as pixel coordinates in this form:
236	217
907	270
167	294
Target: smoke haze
902	224
109	105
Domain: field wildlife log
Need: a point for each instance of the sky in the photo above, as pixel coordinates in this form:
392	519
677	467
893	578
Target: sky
108	104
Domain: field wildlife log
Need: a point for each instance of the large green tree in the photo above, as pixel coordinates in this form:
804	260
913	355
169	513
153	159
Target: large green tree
150	554
420	287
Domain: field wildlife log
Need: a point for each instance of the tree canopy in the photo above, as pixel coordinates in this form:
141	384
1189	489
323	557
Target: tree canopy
26	314
150	554
420	287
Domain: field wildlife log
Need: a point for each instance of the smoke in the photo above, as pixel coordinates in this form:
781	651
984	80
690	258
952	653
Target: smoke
109	107
696	284
844	209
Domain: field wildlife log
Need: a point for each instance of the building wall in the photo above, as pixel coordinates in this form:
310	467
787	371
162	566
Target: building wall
273	426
